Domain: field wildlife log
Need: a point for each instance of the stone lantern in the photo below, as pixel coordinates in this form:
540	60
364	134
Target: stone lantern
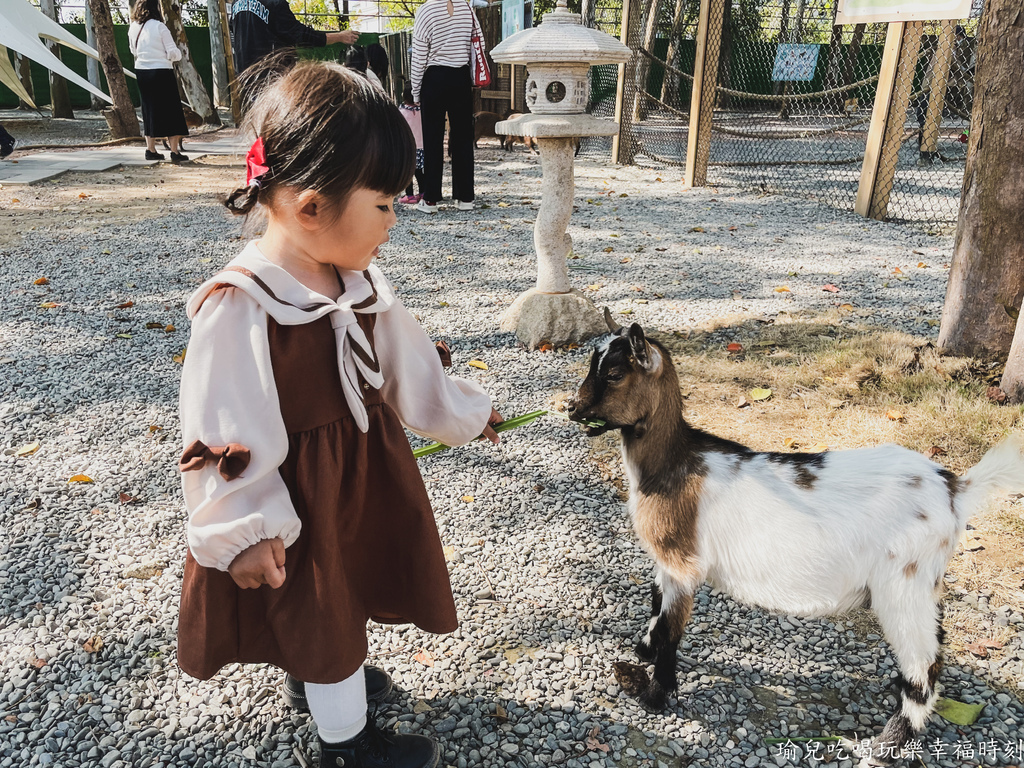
558	55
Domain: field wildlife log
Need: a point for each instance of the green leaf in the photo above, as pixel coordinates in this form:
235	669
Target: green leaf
957	712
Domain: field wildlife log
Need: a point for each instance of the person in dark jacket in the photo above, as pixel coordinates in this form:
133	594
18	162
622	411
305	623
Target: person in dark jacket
260	27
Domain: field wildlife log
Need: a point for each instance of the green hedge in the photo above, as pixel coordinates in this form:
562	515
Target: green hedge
198	44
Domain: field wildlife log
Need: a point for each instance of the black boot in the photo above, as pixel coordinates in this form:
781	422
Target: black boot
378	687
372	749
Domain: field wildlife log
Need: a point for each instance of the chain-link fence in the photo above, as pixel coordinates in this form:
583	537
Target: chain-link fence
794	100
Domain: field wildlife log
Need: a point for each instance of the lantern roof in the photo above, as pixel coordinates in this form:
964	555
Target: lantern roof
561	37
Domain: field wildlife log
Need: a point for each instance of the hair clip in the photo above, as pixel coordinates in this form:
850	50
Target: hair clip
255	163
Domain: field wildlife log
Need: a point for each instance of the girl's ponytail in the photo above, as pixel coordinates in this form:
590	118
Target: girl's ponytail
243	200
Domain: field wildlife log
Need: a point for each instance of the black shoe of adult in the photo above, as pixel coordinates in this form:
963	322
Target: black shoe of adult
378	687
373	749
177	157
153	155
6	147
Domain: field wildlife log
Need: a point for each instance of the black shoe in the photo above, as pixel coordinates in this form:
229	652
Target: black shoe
7	142
177	157
153	155
378	687
373	749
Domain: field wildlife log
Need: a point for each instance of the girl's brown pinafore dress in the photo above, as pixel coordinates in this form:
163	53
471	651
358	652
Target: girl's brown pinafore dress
368	548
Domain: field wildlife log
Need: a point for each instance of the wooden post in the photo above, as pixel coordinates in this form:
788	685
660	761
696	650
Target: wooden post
702	102
939	68
622	151
60	101
229	59
894	132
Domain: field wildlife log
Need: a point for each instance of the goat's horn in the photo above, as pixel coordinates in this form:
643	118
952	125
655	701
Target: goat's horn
612	325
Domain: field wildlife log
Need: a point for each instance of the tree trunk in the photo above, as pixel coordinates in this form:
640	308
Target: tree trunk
834	67
24	66
589	13
852	54
60	102
121	117
670	85
188	75
219	57
641	104
722	100
986	280
91	65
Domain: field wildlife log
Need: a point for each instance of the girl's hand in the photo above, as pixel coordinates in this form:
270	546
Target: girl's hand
490	434
262	563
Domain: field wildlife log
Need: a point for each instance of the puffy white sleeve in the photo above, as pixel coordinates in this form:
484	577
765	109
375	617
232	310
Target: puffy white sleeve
133	37
444	408
170	49
228	396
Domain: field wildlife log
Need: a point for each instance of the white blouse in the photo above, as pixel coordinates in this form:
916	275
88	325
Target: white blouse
228	394
152	46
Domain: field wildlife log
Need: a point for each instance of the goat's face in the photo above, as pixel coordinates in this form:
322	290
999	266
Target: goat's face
621	388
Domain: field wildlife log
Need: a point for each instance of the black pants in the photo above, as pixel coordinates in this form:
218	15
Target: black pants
447	91
410	190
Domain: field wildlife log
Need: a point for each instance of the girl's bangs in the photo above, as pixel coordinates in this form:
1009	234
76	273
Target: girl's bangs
390	150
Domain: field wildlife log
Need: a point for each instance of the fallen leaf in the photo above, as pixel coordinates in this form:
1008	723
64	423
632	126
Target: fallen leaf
934	451
595	287
625	260
126	498
743	402
41	281
922	265
180	357
38	663
847	307
468	499
124	335
169	329
155	428
894	415
15	200
735	347
27	450
48	305
93	645
442	303
996	395
477	364
500	713
546	347
152	326
424	658
733	228
957	712
830	288
125	305
421	707
790	442
79	479
609	249
625	311
82	195
980	647
696	229
818	448
782	289
592	741
760	394
897	271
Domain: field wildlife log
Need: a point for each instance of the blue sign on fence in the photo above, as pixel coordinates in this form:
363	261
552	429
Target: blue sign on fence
795	61
513	13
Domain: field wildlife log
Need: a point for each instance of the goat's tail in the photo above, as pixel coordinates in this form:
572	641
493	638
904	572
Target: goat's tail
1001	469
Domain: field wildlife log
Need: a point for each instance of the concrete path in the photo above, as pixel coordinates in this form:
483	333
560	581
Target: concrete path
40	166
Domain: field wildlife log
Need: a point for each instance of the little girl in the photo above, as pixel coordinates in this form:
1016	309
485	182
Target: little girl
307	512
411	113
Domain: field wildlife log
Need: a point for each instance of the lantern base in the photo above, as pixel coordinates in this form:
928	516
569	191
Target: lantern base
553	318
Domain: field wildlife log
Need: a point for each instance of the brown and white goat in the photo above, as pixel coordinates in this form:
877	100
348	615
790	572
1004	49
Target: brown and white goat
802	534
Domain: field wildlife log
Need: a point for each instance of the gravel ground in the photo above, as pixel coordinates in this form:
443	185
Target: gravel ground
550	584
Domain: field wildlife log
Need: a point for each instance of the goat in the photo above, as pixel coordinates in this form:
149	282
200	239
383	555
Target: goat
811	534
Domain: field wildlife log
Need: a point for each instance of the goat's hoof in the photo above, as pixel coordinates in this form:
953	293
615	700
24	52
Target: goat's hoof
633	679
644	652
654	699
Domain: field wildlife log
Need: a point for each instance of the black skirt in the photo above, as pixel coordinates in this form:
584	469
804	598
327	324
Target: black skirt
161	105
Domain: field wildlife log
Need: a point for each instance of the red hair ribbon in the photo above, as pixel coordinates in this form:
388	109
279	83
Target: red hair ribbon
231	459
255	163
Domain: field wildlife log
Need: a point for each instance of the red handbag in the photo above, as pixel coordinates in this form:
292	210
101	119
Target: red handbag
477	58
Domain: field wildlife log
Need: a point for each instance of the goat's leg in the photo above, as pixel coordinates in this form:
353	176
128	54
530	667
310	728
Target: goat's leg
643	649
912	622
664	641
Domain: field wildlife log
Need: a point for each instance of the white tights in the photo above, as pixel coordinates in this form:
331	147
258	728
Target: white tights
339	709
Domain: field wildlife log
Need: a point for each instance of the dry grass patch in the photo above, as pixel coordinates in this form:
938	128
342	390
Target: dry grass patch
837	386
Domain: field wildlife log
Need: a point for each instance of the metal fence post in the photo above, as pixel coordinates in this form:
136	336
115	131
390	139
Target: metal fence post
702	100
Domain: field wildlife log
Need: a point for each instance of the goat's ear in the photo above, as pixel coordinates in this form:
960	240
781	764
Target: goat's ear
638	345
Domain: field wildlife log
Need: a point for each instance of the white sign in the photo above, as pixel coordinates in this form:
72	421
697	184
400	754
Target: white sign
864	11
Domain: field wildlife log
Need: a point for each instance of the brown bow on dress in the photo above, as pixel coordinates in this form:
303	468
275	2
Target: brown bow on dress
231	460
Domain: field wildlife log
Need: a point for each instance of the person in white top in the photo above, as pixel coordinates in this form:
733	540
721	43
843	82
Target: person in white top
442	86
155	53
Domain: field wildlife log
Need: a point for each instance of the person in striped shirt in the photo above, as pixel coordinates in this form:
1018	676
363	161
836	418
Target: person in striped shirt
442	86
